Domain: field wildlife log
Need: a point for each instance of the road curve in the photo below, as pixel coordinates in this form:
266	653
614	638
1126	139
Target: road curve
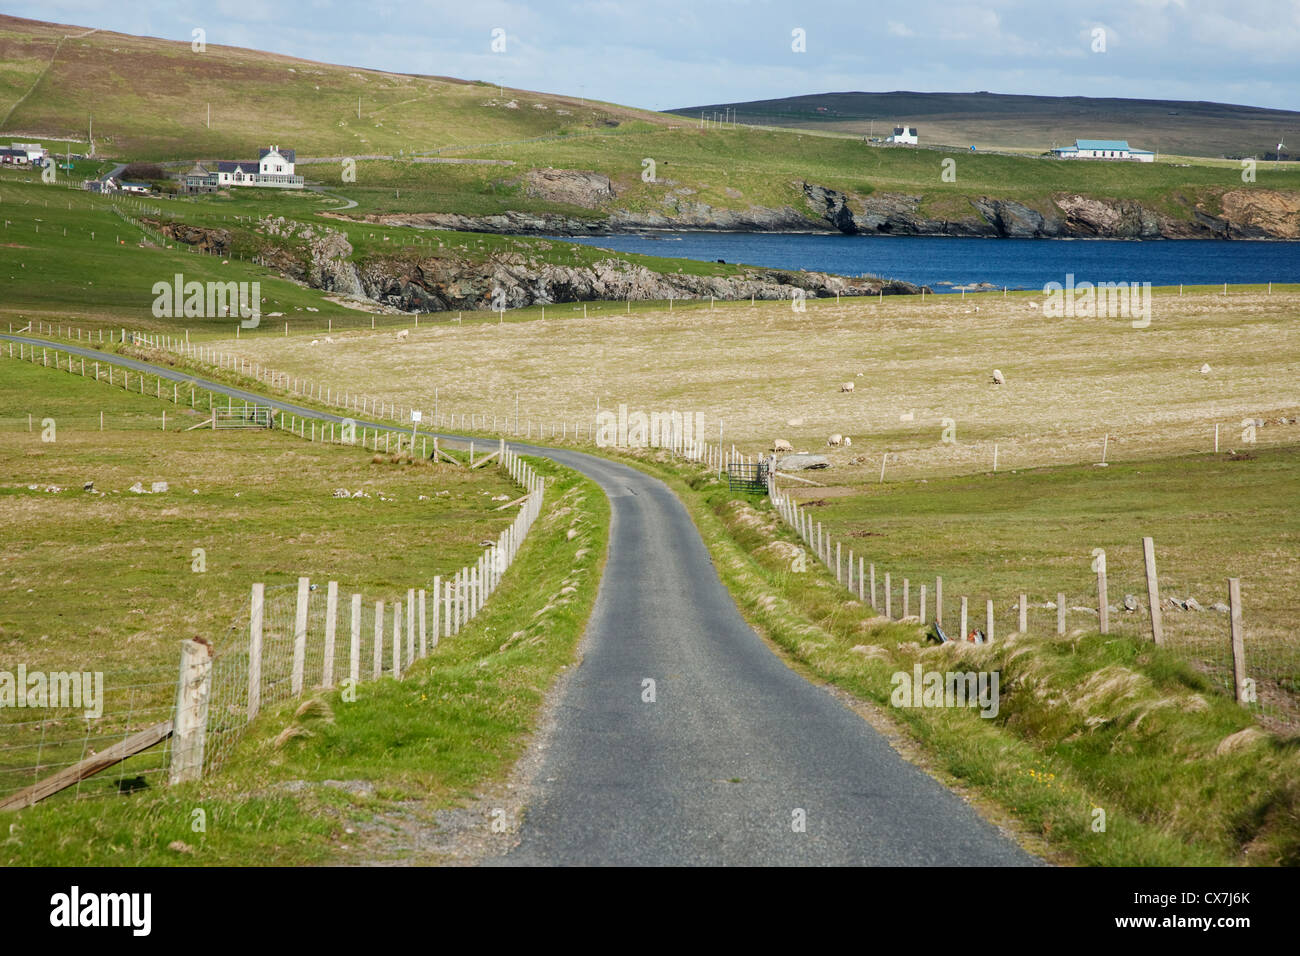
734	751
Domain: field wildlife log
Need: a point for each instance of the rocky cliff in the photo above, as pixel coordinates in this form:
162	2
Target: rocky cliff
322	258
1239	214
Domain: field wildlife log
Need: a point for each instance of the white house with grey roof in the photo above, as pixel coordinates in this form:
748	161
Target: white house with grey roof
274	168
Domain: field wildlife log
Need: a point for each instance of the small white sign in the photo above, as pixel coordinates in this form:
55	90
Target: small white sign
415	415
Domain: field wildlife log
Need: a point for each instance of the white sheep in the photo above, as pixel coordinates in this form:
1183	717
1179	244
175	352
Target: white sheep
846	387
835	440
998	377
402	335
848	440
782	445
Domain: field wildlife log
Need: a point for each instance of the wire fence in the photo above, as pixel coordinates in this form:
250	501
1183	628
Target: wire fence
283	641
292	639
57	720
1261	670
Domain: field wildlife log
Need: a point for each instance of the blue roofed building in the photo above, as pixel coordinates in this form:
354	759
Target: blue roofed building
1104	149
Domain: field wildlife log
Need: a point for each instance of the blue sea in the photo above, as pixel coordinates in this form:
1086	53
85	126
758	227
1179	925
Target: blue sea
1014	263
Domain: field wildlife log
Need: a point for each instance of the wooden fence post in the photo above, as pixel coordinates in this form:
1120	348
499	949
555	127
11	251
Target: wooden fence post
410	626
437	605
922	608
1103	602
938	601
397	640
1153	590
255	611
906	598
424	641
300	636
354	652
190	725
331	624
862	571
379	640
873	587
1060	614
889	597
446	609
1024	613
1238	640
988	620
963	618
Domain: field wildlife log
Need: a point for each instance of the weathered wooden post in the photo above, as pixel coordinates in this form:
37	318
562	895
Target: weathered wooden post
906	598
424	645
889	597
922	608
862	572
964	631
410	626
873	587
1238	642
988	620
1024	613
1060	614
331	624
1153	590
255	610
1103	602
938	601
397	640
189	727
379	641
300	636
446	609
354	652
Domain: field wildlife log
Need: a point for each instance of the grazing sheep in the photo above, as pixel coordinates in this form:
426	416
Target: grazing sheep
403	334
835	440
846	387
782	445
848	440
998	377
328	340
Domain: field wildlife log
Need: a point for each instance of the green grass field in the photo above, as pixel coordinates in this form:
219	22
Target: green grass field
107	580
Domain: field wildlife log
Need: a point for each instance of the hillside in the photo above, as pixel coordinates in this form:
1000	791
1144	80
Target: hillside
435	152
995	120
149	98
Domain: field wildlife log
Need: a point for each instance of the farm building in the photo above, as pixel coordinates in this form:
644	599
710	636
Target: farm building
1103	149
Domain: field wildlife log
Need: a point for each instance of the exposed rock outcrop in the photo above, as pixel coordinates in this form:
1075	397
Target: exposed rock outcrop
435	284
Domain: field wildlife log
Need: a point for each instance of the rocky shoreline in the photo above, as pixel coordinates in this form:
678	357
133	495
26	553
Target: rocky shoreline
321	258
1254	213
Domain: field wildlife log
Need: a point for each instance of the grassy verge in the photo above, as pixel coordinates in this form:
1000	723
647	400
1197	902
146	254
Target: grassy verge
1088	723
456	723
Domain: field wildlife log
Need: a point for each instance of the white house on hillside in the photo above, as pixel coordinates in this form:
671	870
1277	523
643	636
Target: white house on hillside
1103	149
904	134
274	168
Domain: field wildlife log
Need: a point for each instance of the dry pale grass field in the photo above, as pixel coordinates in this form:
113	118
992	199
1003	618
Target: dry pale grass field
766	372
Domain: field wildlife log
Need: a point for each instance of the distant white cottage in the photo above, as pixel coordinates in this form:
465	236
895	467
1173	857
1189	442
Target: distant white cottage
1104	149
274	168
904	134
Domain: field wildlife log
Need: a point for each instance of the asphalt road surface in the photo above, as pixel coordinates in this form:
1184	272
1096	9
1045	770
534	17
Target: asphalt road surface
736	760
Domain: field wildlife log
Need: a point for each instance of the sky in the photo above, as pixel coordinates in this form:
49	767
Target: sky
661	54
